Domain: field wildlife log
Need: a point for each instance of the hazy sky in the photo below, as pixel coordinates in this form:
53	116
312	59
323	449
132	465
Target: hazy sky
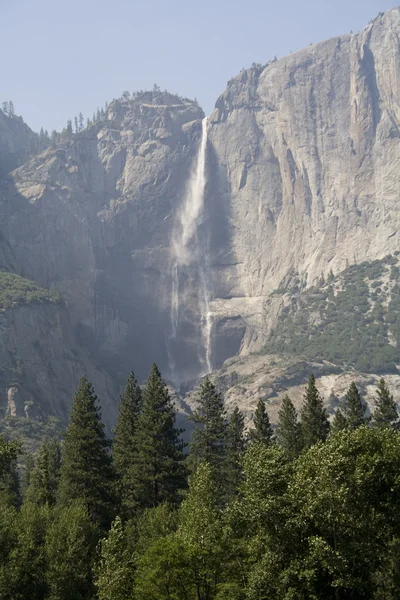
60	57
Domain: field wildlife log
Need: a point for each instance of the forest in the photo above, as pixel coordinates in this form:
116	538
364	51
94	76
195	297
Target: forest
309	509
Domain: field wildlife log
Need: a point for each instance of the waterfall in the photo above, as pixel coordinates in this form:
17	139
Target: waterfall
189	250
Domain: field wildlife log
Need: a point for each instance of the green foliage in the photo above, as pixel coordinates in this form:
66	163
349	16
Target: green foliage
86	470
262	431
345	321
46	473
9	483
354	408
115	568
124	449
386	413
70	545
16	290
314	419
208	442
288	433
23	572
157	472
338	422
235	447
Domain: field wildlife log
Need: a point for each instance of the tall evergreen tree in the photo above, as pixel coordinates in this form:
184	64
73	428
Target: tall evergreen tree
124	449
76	125
288	432
81	121
69	129
354	409
46	473
157	472
386	413
86	469
314	419
235	447
209	439
262	431
338	422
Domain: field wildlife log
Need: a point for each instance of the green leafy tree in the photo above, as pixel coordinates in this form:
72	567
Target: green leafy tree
354	408
70	550
23	576
115	568
86	469
124	448
314	419
288	433
209	438
386	413
262	431
235	447
339	422
157	472
46	473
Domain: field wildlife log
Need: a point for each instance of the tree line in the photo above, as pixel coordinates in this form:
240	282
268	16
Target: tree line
309	510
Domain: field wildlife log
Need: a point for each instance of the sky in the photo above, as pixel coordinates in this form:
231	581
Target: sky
62	57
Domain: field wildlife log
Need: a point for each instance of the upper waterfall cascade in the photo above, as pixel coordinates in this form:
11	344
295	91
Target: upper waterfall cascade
189	250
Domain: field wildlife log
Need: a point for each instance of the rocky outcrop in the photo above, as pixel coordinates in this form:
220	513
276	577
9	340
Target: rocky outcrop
41	364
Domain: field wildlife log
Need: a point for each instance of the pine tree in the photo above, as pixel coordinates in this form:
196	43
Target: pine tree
4	108
354	409
314	419
209	440
76	125
288	433
262	431
157	472
11	111
81	121
386	413
45	475
86	470
235	447
339	422
69	129
9	480
124	450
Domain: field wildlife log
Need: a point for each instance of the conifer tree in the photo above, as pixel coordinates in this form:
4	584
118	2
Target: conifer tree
235	447
262	431
289	431
81	121
314	419
338	422
76	125
124	449
86	470
354	409
11	111
386	413
157	472
209	439
45	475
69	129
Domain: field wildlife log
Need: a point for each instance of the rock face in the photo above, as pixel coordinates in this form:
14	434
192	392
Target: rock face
302	177
305	171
